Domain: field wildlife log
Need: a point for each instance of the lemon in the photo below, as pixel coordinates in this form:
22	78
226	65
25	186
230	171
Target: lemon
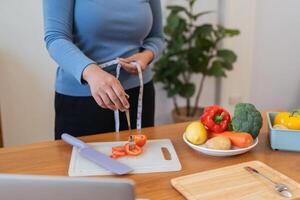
196	133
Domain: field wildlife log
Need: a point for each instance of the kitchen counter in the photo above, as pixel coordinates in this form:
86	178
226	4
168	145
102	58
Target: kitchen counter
52	158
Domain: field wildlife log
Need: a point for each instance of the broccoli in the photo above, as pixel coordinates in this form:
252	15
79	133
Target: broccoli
246	119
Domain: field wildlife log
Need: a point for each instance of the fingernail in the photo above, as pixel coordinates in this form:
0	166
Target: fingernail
127	106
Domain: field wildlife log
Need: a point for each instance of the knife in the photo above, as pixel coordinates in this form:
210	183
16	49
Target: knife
131	140
96	157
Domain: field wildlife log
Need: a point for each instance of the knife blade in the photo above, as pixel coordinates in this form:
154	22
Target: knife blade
131	140
97	157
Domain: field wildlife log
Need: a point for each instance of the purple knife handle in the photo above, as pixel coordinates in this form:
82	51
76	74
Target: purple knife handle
73	141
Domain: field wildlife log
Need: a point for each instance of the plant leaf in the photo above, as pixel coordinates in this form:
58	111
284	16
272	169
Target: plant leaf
203	44
231	32
192	2
216	70
177	9
187	90
173	21
227	55
204	31
197	61
227	65
196	16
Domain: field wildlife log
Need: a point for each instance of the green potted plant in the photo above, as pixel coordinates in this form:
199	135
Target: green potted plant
191	49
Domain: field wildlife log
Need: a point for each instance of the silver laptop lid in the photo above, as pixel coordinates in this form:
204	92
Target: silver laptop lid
28	187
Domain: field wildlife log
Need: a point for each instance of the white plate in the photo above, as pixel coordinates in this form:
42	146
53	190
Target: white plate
214	152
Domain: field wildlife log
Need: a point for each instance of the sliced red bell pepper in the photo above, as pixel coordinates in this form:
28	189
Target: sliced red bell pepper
118	148
139	139
135	151
114	156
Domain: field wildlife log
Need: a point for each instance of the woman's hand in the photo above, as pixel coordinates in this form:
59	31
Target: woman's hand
105	88
143	58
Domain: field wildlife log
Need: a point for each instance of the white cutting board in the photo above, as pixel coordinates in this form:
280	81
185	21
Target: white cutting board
152	159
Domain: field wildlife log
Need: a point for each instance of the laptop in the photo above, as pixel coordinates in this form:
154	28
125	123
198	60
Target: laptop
29	187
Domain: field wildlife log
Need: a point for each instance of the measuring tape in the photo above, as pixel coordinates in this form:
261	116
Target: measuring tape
141	92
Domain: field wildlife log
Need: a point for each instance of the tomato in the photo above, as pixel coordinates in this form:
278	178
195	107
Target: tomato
134	152
139	139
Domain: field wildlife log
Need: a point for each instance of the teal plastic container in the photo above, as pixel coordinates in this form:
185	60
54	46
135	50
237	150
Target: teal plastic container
287	140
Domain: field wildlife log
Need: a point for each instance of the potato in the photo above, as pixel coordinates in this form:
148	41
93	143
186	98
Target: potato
219	143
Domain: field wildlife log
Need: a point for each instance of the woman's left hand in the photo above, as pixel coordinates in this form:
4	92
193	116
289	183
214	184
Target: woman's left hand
143	58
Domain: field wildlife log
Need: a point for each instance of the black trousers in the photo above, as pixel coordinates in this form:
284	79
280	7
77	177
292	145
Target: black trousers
80	116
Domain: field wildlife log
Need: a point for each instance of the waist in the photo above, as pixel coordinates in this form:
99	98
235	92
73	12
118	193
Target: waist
66	84
101	54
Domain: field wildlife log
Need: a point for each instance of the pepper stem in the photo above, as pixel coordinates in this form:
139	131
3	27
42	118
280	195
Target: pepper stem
295	112
219	118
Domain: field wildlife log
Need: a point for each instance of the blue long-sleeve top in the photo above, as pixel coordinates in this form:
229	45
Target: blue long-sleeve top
82	32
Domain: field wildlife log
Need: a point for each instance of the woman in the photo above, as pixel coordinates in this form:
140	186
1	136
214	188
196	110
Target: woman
80	36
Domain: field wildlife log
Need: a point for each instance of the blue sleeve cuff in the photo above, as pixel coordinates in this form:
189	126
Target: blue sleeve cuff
70	58
156	45
81	67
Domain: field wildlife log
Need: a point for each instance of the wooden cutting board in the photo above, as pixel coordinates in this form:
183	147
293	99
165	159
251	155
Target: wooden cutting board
158	156
234	182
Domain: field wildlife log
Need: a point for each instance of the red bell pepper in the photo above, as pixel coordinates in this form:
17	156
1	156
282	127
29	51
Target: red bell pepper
215	118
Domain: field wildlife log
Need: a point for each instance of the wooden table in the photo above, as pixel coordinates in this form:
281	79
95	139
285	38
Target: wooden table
1	139
52	158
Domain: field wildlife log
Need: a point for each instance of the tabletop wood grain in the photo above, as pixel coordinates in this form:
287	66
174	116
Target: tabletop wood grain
52	158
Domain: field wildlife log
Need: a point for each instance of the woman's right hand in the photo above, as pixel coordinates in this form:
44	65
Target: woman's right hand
105	88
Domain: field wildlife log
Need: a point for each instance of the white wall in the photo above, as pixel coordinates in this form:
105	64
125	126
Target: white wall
26	74
241	15
267	71
276	71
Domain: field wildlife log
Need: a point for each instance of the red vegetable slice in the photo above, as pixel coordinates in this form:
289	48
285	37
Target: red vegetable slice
114	156
134	151
139	139
118	148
